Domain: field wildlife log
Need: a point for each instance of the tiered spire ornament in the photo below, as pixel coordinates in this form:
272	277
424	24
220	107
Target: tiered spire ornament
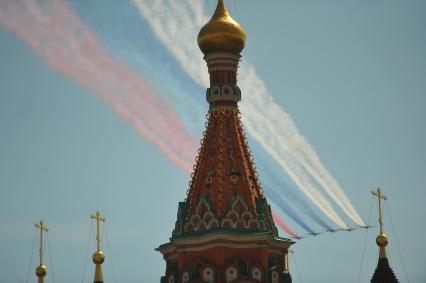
41	270
98	257
224	230
224	184
383	272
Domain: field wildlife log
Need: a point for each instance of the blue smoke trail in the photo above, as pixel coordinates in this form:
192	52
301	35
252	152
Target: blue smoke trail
271	172
287	209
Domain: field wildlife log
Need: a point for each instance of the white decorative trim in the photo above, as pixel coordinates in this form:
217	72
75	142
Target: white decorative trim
237	200
208	275
275	277
256	274
228	215
195	218
185	277
221	56
253	221
233	246
214	221
207	214
199	223
249	215
185	228
231	274
222	239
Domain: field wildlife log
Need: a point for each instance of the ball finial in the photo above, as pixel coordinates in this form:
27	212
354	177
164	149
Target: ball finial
222	33
41	271
98	257
382	240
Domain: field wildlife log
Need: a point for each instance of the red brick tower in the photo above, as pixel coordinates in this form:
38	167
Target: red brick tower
224	230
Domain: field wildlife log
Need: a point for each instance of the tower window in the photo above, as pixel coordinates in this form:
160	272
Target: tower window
197	271
243	269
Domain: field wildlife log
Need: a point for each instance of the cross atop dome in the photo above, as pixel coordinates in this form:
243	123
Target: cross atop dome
98	257
383	272
41	269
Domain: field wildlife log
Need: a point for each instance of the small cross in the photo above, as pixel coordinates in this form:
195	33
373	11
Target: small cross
42	228
98	217
380	196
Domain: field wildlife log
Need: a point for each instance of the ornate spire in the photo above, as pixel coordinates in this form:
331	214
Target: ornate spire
383	272
41	269
98	257
222	33
224	191
224	230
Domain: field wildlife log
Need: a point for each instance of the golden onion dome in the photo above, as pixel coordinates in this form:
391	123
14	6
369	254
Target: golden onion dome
222	33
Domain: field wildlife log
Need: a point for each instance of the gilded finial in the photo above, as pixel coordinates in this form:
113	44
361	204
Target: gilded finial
98	257
382	239
222	33
41	270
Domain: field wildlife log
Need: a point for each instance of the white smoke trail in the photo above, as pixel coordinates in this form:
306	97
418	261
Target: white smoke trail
277	134
258	125
176	24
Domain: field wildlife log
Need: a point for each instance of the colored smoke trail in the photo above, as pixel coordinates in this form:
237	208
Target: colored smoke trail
259	126
54	32
283	226
147	53
286	208
177	27
275	131
273	176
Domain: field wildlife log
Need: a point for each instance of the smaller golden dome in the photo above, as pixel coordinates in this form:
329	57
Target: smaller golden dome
382	240
41	271
98	257
222	33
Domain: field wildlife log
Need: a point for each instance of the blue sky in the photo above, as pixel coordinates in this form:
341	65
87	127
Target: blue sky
350	73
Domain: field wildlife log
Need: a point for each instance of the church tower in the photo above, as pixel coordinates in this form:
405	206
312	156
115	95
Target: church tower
224	230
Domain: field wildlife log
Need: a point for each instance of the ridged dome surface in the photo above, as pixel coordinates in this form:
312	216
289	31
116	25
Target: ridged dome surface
222	33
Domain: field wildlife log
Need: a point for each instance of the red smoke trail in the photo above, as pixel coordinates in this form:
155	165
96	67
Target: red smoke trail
283	226
53	31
